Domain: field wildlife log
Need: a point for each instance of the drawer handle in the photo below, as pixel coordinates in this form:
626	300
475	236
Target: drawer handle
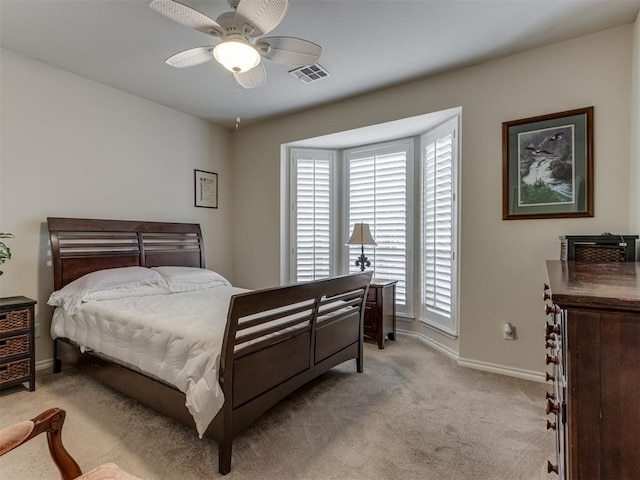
550	344
549	309
551	425
551	467
549	329
550	377
552	407
551	359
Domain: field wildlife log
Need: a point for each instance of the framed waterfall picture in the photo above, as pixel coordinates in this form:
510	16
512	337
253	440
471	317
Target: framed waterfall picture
547	166
206	189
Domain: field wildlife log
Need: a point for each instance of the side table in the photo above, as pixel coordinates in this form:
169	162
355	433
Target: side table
380	311
17	342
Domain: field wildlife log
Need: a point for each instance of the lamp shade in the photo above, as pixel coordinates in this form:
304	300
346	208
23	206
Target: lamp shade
361	235
236	55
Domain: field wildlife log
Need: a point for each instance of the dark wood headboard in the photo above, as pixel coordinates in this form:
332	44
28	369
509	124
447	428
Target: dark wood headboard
82	245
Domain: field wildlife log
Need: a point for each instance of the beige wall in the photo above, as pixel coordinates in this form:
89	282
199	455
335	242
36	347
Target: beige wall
635	132
502	262
74	147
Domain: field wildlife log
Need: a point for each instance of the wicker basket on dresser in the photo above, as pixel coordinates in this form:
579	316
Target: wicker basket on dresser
598	248
17	352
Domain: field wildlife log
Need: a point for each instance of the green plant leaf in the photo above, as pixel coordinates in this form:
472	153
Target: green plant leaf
5	252
6	235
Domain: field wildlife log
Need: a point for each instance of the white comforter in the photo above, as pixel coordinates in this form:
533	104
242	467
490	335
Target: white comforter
175	337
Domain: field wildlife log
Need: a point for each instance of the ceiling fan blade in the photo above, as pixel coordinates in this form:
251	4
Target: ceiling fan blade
185	15
289	50
257	17
191	57
255	77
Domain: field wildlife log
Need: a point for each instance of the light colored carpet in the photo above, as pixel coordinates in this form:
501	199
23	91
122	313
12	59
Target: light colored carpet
413	414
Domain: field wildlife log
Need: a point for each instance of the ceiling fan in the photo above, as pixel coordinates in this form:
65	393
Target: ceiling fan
242	44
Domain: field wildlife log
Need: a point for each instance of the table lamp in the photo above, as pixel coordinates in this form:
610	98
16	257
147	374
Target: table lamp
361	236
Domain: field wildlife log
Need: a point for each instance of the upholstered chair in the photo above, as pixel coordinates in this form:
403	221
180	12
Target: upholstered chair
51	422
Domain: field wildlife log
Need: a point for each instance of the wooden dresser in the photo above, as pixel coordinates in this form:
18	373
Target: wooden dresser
593	340
380	311
17	352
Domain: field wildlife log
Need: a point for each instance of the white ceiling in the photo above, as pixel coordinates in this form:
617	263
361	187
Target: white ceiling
367	45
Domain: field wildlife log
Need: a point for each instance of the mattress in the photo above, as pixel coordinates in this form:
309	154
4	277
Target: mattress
176	338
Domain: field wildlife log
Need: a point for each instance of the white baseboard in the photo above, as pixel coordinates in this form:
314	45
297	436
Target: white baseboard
46	364
431	342
502	369
477	364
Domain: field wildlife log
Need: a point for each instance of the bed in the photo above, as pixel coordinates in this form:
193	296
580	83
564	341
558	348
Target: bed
273	340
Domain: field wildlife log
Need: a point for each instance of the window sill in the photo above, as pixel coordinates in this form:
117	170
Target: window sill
447	332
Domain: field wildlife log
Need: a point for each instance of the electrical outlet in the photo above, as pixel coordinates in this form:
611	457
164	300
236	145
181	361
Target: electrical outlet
508	331
37	330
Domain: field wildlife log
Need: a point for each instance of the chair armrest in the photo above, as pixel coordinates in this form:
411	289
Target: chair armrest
51	422
14	435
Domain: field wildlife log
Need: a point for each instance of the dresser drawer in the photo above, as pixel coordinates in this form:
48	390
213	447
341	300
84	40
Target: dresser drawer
15	320
369	323
12	371
12	346
372	295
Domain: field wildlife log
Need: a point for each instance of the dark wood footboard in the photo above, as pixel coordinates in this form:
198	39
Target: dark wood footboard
276	339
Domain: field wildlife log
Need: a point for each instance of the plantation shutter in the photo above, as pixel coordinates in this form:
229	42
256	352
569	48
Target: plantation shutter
313	217
377	184
438	161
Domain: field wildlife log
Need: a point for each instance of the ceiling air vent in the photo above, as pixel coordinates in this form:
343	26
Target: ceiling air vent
310	73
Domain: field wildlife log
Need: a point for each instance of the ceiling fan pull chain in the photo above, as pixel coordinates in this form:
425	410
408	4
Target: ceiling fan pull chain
237	105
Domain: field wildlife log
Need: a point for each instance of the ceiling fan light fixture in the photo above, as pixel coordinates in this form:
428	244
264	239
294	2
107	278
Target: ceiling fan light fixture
236	56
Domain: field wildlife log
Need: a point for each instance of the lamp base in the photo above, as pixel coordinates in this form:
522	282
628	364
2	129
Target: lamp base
362	261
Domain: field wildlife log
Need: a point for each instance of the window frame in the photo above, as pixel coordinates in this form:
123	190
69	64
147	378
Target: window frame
294	157
433	319
340	257
382	148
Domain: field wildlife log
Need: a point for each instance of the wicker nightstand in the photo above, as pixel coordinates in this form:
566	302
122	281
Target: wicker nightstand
17	332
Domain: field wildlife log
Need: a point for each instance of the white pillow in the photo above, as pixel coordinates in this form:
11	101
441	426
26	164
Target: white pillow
139	290
188	279
108	284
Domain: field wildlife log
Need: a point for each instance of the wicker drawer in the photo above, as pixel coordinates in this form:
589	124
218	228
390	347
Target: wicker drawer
17	349
12	346
12	371
15	320
600	253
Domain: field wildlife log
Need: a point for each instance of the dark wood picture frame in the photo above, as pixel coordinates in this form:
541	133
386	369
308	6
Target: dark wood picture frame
547	166
205	189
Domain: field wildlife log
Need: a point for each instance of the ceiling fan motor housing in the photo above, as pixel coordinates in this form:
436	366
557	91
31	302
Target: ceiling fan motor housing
230	28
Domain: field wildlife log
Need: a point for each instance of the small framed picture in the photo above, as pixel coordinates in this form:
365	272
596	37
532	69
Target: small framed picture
547	166
206	189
